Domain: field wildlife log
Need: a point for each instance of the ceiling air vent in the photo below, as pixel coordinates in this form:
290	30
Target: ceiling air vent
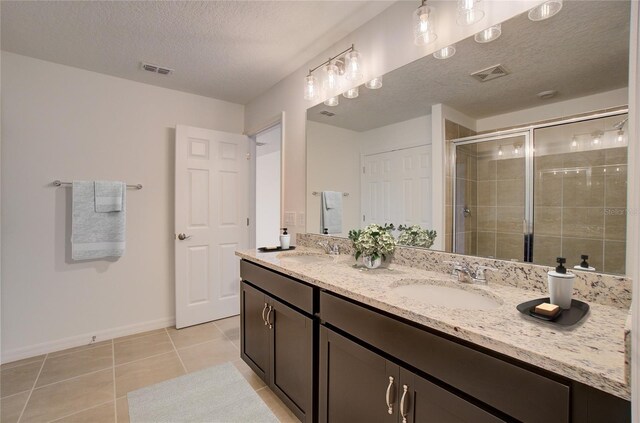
490	73
327	113
156	69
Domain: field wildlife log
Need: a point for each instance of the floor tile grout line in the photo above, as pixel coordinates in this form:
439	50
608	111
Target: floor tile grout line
59	353
136	337
77	412
24	407
72	378
17	393
143	358
113	362
17	365
225	335
177	353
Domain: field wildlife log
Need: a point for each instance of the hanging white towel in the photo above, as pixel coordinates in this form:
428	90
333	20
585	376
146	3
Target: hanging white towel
94	234
331	213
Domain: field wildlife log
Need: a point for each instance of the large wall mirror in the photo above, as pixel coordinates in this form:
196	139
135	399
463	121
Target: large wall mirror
535	144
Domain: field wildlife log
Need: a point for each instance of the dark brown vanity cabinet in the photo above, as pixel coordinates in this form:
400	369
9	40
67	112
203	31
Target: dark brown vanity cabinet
358	385
277	342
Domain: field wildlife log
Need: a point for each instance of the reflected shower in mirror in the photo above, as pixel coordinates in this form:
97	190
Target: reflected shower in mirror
392	148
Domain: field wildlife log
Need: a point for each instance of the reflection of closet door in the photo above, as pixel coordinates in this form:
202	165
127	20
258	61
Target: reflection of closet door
396	187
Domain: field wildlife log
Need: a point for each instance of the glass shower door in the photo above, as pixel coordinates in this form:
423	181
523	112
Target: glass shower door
491	197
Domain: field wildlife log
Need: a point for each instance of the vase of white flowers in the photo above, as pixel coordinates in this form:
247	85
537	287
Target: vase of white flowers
415	236
373	243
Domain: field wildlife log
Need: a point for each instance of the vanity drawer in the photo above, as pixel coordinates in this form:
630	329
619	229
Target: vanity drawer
517	392
283	287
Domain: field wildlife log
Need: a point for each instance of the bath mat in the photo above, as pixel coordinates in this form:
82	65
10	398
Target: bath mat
216	394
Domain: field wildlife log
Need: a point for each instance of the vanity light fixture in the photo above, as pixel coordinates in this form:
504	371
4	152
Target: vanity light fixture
310	87
620	136
423	26
345	65
351	93
332	101
469	12
516	148
545	10
490	34
596	137
500	153
374	84
445	53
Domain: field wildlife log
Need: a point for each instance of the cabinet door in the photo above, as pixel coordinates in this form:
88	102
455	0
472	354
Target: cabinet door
291	371
254	334
354	382
426	402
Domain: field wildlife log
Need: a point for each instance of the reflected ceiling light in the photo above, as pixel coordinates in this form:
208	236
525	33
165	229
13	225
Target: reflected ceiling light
445	53
620	136
545	10
500	153
353	65
469	12
516	148
351	93
332	101
310	87
574	142
490	34
423	26
374	84
345	65
596	137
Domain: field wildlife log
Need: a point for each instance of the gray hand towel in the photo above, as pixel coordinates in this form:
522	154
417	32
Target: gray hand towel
95	235
109	196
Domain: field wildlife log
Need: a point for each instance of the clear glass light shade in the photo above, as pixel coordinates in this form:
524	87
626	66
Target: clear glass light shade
545	10
331	80
332	101
490	34
423	26
310	87
500	153
469	12
620	136
374	84
445	53
353	65
351	93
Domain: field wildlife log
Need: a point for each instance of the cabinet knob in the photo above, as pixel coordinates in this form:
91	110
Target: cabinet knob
388	396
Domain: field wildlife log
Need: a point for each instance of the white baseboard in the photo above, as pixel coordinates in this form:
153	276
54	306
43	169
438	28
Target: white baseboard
79	340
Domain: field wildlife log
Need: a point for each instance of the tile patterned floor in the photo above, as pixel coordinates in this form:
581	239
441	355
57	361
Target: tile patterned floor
90	383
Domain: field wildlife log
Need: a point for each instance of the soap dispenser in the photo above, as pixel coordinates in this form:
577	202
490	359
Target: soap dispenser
584	265
285	240
560	285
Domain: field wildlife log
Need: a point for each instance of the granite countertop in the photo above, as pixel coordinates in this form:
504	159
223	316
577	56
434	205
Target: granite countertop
591	352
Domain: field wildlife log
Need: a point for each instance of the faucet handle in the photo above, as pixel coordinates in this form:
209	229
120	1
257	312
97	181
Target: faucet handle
479	274
456	266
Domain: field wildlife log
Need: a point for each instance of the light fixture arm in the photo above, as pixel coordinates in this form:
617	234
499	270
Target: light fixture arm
332	58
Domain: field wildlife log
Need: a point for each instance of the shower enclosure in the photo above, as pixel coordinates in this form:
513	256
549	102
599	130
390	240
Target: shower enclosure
532	194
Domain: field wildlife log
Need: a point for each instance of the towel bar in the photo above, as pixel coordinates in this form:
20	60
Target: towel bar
344	194
58	183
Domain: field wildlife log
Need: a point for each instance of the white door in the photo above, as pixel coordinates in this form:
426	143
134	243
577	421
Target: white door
211	209
396	187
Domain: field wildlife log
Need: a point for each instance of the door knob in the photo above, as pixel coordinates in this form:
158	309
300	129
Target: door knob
182	237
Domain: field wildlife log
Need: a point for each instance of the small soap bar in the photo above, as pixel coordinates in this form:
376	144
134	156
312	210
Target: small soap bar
547	309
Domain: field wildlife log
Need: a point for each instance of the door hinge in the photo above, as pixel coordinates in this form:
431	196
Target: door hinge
363	170
363	218
247	221
248	156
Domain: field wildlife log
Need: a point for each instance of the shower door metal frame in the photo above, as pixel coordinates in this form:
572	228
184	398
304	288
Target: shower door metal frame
527	133
529	157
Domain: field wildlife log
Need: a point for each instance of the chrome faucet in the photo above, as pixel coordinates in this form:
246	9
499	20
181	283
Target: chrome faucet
328	248
465	274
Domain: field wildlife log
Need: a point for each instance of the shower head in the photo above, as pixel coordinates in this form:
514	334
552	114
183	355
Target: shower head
620	124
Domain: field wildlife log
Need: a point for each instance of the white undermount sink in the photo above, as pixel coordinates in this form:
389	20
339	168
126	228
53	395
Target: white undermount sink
304	258
446	295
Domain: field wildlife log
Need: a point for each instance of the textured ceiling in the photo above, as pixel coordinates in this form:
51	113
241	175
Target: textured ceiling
230	50
583	50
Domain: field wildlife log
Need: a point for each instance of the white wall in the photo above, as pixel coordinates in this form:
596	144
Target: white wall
268	186
410	133
65	123
386	43
333	164
560	109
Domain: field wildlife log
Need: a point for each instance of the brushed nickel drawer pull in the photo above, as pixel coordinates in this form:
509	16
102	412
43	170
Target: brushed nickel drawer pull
263	310
388	396
269	317
404	413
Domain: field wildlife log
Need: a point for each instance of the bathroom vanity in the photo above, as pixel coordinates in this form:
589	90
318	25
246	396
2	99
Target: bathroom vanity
337	343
